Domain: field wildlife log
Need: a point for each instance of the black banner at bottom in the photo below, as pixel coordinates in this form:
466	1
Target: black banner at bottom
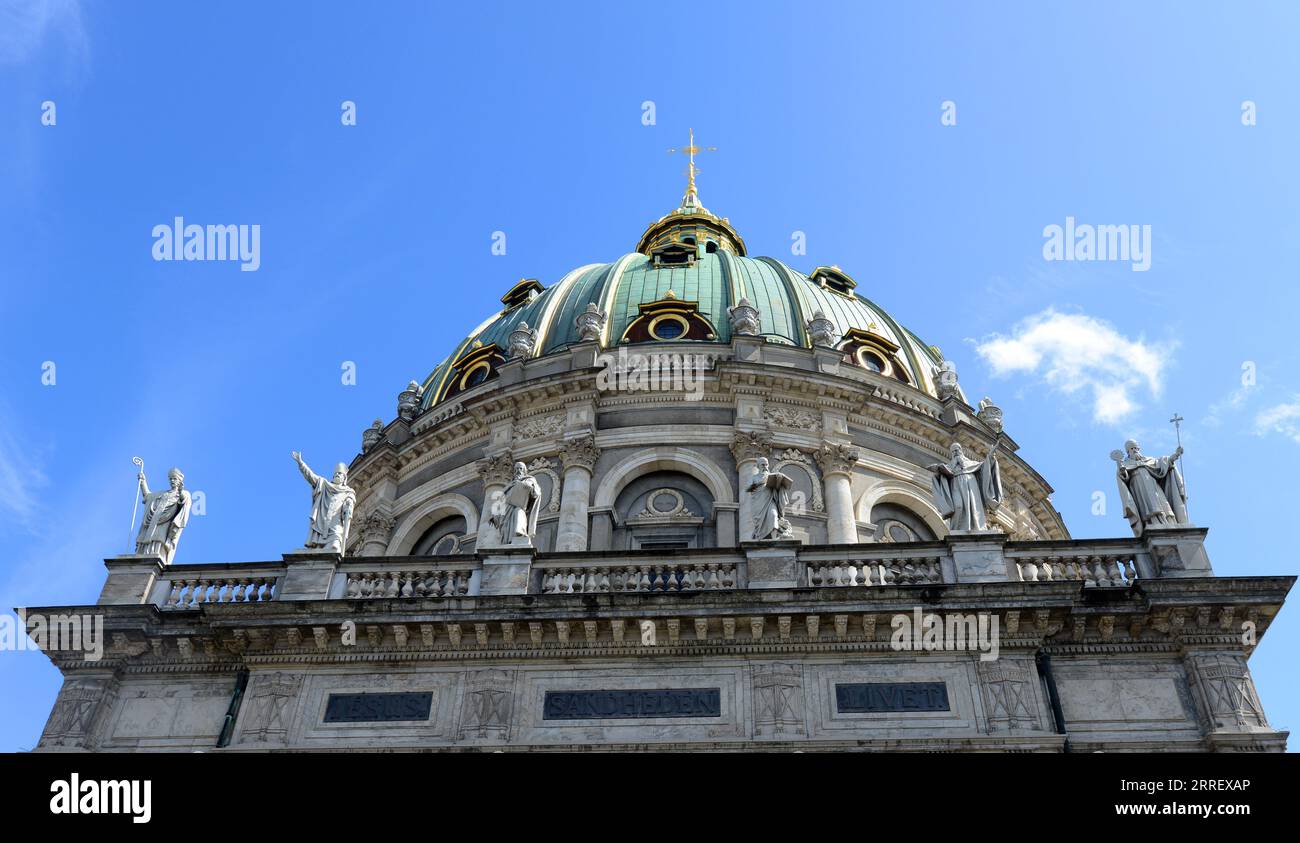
305	791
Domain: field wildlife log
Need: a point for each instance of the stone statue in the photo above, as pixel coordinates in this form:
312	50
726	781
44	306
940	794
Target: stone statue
165	515
516	522
746	321
964	489
821	331
1151	489
332	503
522	341
590	323
768	495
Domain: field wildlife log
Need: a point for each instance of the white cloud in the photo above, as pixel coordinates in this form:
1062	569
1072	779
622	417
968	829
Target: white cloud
1076	353
1281	418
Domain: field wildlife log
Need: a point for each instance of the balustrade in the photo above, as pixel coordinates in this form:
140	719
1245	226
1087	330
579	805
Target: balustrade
647	578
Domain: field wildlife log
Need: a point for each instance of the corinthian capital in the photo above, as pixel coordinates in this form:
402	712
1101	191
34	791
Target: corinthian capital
581	452
495	471
751	446
837	459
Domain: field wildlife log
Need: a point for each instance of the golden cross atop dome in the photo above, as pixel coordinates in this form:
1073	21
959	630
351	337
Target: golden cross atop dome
692	199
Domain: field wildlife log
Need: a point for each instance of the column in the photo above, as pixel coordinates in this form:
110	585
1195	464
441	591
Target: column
746	448
579	458
495	472
374	526
837	463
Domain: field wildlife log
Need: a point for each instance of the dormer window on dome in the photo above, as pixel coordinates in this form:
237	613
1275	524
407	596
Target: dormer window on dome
834	279
675	254
667	320
480	363
870	351
522	293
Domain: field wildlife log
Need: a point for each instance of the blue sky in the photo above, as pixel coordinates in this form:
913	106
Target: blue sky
527	119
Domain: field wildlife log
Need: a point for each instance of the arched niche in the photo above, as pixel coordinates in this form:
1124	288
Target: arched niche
663	458
906	497
444	538
896	524
664	510
427	514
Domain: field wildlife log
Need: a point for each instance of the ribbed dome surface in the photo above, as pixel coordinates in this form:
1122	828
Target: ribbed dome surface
786	298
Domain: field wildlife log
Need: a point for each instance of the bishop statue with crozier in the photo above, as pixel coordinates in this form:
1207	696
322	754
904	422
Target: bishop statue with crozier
165	515
1151	488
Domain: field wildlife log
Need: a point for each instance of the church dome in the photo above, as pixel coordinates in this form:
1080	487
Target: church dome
696	260
662	377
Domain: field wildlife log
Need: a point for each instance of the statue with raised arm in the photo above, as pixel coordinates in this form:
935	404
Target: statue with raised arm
515	520
965	489
768	492
332	503
1151	488
165	515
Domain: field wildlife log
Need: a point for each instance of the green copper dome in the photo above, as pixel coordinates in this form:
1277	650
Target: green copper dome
693	260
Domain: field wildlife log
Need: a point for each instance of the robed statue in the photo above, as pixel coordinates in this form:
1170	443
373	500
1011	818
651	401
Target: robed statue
515	520
332	503
1151	488
965	489
768	493
165	515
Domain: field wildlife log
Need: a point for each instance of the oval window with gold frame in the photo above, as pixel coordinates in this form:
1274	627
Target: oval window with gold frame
871	361
475	375
668	326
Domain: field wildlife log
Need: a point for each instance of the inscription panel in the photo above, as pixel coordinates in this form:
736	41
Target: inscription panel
632	704
378	708
872	697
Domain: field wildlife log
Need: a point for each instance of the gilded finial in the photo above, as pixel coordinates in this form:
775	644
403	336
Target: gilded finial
692	197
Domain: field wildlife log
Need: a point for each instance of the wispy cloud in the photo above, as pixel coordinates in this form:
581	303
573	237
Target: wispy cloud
25	26
1076	353
1228	405
21	478
1280	418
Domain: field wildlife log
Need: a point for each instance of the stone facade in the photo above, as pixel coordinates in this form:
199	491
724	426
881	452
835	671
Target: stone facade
646	618
682	650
